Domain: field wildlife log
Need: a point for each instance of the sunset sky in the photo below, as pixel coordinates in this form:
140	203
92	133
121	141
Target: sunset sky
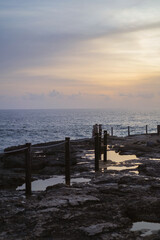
79	54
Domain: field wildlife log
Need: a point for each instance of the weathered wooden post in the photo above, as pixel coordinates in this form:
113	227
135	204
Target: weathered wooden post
146	129
158	129
100	130
67	161
28	169
99	146
96	152
111	131
105	146
128	131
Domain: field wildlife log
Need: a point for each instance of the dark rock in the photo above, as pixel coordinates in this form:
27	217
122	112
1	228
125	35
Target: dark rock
104	208
150	144
150	169
14	161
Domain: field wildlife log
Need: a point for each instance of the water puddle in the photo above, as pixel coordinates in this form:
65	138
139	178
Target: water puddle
81	163
41	185
135	172
89	155
120	168
155	159
113	156
39	154
147	228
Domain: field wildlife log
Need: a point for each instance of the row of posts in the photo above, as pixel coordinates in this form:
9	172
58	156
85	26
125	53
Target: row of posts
28	163
158	130
99	148
103	148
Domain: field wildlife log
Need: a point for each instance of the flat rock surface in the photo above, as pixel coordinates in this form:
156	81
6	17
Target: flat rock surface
104	208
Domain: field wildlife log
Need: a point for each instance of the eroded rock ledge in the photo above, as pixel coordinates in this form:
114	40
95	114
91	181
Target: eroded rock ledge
103	209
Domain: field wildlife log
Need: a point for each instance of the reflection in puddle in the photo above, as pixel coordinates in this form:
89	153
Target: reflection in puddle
81	163
89	155
156	159
112	155
116	158
119	168
136	172
80	180
147	228
41	185
39	154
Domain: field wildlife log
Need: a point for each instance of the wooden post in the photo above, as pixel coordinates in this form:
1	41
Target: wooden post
158	129
146	129
128	131
28	169
67	161
105	146
100	130
96	152
111	131
99	145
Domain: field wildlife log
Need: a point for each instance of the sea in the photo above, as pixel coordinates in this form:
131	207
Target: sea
38	126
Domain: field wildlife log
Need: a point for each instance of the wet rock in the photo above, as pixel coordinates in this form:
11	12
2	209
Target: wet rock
79	200
38	164
150	169
144	209
98	228
14	161
102	209
150	144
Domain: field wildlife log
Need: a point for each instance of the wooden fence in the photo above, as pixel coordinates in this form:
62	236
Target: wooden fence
128	129
99	148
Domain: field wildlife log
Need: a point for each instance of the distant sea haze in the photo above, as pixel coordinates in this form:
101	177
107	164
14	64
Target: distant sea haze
38	126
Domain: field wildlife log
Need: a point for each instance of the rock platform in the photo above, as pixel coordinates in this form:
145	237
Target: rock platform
104	208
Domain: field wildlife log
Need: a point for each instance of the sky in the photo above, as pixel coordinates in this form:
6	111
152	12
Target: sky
79	54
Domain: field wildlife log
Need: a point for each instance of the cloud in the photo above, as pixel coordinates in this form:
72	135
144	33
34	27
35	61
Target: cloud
137	95
125	95
54	93
2	96
127	29
105	96
80	100
57	45
33	97
22	49
145	95
44	36
55	99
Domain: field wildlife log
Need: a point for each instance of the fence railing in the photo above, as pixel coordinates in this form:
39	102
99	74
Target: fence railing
130	130
27	150
99	148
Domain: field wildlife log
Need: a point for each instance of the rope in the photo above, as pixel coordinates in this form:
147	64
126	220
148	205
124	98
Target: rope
43	147
81	140
16	150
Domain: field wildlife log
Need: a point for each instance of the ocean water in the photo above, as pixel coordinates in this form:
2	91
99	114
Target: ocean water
38	126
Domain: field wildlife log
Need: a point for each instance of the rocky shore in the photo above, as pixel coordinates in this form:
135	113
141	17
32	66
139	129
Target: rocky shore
101	206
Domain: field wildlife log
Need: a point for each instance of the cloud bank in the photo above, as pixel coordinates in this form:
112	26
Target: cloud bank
91	53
